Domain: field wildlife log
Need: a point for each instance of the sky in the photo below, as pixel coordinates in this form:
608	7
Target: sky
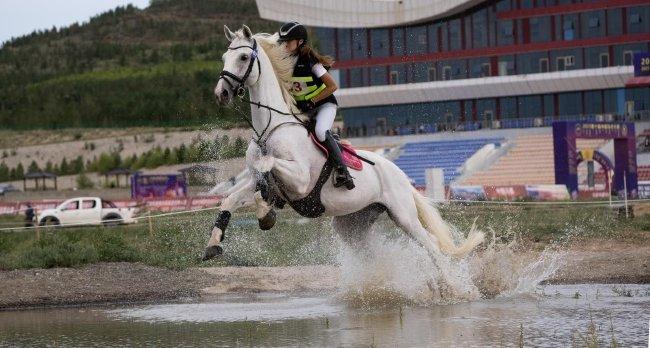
20	17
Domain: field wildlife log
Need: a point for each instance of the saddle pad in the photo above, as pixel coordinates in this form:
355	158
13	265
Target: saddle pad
347	153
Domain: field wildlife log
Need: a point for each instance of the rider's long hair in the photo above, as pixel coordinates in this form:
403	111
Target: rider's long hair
307	50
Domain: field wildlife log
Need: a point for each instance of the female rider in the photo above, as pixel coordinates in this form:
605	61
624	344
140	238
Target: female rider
313	89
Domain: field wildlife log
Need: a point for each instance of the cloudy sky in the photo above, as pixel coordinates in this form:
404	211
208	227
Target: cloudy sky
20	17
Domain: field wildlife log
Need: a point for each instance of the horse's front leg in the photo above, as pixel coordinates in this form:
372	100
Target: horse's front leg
238	199
293	173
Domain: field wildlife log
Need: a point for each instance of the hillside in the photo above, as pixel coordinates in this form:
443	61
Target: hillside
124	67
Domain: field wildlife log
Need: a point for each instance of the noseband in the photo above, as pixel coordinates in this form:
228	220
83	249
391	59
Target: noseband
240	89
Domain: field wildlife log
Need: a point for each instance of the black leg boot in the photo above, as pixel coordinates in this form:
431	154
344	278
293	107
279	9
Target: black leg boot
341	175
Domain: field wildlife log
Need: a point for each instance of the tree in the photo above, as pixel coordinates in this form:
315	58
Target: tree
64	168
77	165
4	172
181	154
167	154
33	167
20	172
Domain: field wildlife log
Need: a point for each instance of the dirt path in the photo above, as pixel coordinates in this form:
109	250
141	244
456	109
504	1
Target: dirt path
610	262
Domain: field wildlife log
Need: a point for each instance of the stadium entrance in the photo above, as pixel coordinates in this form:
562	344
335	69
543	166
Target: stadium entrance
567	157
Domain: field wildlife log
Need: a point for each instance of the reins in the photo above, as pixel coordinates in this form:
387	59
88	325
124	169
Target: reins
240	91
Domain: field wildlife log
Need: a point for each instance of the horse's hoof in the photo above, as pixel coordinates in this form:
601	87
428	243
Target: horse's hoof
211	252
268	221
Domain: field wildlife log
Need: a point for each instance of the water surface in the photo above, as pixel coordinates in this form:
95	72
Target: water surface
557	315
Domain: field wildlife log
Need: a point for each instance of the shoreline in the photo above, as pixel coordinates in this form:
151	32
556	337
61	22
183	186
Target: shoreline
107	284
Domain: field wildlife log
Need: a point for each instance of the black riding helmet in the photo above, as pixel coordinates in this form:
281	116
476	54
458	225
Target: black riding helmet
293	31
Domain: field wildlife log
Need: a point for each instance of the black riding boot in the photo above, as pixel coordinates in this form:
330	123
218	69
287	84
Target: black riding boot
341	175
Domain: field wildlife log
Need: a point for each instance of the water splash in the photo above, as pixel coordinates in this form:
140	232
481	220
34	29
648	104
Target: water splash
395	271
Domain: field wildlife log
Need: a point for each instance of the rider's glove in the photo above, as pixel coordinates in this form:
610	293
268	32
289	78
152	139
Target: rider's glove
306	105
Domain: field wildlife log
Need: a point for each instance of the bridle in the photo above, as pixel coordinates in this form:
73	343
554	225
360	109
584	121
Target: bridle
240	91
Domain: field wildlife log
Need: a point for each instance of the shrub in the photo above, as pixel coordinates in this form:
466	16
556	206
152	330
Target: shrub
84	182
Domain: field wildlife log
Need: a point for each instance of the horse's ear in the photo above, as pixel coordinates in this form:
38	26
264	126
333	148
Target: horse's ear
247	31
229	34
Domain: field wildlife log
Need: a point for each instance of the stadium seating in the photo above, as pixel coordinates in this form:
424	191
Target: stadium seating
529	161
447	155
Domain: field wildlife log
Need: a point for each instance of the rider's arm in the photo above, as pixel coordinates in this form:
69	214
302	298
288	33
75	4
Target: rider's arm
328	80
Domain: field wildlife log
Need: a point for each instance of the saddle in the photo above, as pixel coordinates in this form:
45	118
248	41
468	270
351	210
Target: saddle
272	190
348	153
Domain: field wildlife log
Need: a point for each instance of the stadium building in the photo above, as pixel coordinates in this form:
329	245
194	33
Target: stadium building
430	65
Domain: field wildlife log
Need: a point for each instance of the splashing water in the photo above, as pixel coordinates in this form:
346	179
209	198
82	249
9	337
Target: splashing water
398	271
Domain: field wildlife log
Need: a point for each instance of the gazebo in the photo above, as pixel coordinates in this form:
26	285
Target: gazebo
199	174
36	176
117	173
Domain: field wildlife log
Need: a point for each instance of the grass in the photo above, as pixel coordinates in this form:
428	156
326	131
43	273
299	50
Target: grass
178	241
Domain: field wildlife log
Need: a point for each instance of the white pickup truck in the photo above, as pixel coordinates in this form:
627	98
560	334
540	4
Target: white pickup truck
86	211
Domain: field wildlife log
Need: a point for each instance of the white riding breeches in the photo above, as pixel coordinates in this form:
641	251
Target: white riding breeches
324	119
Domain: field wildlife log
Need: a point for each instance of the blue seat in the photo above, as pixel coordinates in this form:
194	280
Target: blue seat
449	155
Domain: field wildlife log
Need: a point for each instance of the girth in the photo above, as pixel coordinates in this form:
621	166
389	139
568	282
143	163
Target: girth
309	206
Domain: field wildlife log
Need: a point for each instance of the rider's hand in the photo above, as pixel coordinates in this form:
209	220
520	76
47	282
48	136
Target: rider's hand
311	105
306	105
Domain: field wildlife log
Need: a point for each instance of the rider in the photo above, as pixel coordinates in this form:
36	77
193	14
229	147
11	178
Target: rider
313	89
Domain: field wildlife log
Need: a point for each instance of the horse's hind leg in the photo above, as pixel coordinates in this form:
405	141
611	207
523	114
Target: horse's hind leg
405	215
353	228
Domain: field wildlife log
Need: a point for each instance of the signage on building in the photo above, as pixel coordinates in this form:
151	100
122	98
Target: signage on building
642	64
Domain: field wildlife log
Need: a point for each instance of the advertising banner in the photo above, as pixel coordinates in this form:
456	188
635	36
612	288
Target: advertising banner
507	193
547	192
467	193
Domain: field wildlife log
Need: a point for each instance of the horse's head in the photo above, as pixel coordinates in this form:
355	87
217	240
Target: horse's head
241	66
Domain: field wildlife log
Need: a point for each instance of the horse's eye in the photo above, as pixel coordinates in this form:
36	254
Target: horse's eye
243	57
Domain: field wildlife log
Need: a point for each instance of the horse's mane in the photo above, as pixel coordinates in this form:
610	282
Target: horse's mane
281	61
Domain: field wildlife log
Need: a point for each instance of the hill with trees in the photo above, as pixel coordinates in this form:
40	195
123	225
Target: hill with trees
125	67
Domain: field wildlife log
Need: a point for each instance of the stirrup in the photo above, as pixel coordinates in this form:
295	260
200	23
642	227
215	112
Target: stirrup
343	179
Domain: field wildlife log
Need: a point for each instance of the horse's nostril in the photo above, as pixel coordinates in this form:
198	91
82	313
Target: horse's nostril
224	93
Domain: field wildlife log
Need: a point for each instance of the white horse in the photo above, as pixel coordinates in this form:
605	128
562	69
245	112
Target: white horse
288	161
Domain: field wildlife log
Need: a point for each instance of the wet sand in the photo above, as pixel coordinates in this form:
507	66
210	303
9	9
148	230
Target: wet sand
595	262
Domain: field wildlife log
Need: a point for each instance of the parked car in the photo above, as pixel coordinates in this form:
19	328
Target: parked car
4	188
86	211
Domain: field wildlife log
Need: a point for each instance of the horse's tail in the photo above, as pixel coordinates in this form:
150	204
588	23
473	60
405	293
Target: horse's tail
434	224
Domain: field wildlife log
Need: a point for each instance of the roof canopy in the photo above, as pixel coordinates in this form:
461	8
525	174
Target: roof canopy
40	175
360	13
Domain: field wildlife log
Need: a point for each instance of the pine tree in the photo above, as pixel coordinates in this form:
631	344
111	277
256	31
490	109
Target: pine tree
77	166
64	169
33	167
181	154
4	172
20	172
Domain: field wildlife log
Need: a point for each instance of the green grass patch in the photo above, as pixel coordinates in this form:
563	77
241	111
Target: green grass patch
178	241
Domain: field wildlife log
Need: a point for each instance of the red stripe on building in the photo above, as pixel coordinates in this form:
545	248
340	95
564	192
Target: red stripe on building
495	51
569	8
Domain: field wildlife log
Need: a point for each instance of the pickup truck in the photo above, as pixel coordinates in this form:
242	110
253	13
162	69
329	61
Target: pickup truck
86	211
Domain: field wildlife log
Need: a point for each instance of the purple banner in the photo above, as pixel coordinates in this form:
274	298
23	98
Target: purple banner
642	64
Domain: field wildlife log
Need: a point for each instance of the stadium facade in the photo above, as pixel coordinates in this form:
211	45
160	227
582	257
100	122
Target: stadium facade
413	66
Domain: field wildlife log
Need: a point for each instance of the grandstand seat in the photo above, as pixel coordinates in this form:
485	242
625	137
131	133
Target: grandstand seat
448	155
